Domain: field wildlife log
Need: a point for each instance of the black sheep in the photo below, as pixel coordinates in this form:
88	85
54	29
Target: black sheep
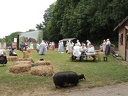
3	59
81	76
68	78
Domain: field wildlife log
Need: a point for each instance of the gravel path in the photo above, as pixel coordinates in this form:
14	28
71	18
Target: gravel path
114	90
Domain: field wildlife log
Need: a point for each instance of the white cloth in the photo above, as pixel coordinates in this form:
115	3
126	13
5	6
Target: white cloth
70	47
108	42
31	45
60	47
67	45
37	46
91	50
1	52
78	44
104	47
76	51
89	54
42	49
88	43
83	49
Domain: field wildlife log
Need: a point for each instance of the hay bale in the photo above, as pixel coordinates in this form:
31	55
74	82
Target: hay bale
23	62
42	70
25	54
12	58
101	53
48	63
19	68
26	59
38	63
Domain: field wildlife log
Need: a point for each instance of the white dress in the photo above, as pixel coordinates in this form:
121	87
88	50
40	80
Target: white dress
31	46
77	51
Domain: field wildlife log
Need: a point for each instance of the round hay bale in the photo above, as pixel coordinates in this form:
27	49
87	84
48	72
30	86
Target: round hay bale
20	68
12	58
42	70
38	63
23	62
26	59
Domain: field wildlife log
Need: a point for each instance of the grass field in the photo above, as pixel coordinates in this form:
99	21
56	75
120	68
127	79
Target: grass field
97	74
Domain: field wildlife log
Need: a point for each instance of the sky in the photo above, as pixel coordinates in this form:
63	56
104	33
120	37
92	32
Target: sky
21	15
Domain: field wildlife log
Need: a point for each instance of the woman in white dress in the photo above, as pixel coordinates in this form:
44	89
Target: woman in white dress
31	46
42	49
104	45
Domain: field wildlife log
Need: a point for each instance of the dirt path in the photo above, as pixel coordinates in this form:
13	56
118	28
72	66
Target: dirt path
114	90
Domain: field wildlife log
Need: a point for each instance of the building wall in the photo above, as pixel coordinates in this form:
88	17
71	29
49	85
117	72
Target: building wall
2	45
121	47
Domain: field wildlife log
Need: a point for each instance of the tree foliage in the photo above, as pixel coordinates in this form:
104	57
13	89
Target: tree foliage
84	19
9	39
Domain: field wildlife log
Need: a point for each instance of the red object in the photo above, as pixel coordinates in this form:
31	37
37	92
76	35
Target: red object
14	44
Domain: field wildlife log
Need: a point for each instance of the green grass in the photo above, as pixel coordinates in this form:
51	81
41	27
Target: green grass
97	74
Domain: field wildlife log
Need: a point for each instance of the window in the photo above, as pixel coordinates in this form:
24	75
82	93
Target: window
121	39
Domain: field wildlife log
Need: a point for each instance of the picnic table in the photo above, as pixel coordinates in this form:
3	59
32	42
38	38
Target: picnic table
86	56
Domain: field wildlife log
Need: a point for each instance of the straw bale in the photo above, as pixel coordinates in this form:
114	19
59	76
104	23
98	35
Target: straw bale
26	59
20	68
42	70
38	63
25	54
48	63
23	62
12	58
101	53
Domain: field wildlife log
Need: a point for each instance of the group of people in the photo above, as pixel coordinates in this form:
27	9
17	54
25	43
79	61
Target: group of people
40	47
44	46
24	46
71	48
83	49
105	46
76	48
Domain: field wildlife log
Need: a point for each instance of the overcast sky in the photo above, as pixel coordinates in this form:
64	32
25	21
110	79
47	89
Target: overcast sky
21	15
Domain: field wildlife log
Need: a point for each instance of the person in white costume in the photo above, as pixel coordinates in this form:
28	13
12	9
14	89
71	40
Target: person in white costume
88	43
42	49
78	43
77	51
107	49
60	47
70	46
104	45
31	46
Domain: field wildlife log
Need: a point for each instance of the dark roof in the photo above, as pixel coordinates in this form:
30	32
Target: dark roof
121	23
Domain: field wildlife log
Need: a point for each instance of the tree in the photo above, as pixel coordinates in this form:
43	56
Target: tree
9	39
47	17
39	26
85	19
31	30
